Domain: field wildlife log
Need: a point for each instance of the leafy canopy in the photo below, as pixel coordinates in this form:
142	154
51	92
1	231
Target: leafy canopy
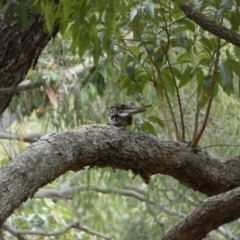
153	53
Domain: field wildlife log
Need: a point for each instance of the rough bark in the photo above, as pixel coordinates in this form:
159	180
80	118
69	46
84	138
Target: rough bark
207	216
19	49
209	25
107	146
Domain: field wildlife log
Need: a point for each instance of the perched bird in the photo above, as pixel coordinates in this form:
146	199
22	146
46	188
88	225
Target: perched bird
120	114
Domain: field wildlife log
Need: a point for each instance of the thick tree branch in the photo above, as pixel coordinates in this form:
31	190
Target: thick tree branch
27	44
211	26
207	216
107	146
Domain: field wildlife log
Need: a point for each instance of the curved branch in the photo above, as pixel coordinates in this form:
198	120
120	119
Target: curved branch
207	216
18	233
106	146
192	13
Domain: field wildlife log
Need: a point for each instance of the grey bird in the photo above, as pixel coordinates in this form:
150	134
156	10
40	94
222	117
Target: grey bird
120	114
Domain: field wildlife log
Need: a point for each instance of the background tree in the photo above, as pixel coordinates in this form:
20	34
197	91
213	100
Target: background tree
110	51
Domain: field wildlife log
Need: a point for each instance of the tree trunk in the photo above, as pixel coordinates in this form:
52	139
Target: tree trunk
19	48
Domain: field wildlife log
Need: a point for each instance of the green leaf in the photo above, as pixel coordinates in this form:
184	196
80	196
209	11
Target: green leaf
159	58
237	3
186	78
169	83
133	13
49	19
36	7
130	70
225	6
110	15
204	100
126	83
226	75
204	62
109	46
206	89
237	52
63	26
148	128
189	25
200	78
134	49
134	89
53	76
234	65
83	43
180	40
137	26
23	15
207	83
156	120
91	89
208	45
177	73
149	7
93	20
96	50
183	58
101	35
66	9
238	89
37	100
100	83
141	75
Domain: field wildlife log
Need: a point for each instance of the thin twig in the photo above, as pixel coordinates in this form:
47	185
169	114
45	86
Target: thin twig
178	97
221	145
20	88
164	88
196	120
168	32
78	226
160	76
162	108
204	124
31	138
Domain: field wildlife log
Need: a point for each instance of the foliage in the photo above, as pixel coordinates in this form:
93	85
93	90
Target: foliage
141	44
149	52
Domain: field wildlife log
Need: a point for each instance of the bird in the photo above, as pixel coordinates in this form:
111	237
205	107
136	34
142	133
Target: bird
120	114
